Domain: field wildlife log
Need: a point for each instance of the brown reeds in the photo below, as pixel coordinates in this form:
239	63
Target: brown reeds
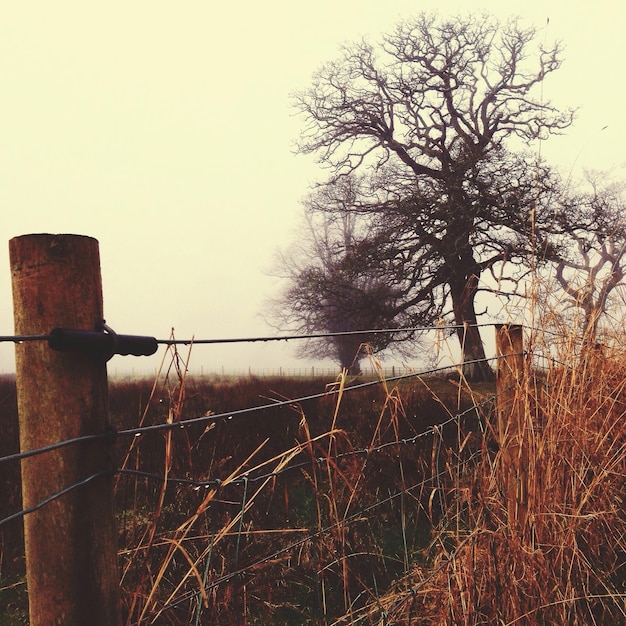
566	562
299	547
390	505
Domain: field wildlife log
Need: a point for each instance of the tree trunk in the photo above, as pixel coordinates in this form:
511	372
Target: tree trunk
463	285
349	353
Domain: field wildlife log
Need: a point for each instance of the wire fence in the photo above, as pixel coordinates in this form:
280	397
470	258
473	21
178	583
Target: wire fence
251	483
308	501
113	434
346	485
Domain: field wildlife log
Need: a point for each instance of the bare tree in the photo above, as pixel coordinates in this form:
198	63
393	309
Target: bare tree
330	289
595	262
426	116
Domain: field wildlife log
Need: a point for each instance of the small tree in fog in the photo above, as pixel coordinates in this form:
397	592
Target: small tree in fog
331	288
593	265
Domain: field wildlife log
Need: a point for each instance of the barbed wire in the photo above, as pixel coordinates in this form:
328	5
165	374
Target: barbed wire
295	401
247	476
356	516
226	415
113	434
328	335
18	456
53	497
294	337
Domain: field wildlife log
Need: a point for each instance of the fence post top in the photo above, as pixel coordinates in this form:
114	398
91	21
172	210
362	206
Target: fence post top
508	325
52	236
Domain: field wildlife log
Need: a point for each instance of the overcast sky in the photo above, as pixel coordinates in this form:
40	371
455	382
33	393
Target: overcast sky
164	130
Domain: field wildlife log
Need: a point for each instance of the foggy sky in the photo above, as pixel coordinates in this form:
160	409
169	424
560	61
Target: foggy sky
164	130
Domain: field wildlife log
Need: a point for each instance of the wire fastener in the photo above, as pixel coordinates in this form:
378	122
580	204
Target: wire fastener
101	343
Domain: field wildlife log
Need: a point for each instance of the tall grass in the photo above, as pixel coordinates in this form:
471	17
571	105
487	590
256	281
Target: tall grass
561	557
387	505
322	505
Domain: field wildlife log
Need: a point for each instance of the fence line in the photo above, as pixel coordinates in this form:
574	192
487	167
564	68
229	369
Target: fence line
113	434
346	489
433	480
18	456
226	415
246	478
54	496
270	338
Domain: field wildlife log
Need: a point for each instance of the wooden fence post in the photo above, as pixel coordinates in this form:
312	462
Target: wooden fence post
70	543
510	412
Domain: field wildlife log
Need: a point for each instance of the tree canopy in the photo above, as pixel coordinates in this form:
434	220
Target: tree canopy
330	289
434	122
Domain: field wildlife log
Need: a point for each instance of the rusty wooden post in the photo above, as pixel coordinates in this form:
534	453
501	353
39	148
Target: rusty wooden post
71	554
510	412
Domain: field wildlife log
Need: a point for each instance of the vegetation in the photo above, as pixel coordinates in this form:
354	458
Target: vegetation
427	125
329	292
418	500
383	504
592	264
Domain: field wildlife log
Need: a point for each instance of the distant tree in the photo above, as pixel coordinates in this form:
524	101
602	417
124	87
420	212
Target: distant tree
593	265
330	289
425	118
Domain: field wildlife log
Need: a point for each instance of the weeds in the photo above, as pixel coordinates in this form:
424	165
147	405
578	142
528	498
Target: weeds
560	561
388	505
316	502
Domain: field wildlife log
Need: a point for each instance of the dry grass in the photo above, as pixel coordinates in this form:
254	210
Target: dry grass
467	525
558	555
321	506
338	511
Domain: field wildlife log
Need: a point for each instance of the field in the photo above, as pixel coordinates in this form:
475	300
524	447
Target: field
349	503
